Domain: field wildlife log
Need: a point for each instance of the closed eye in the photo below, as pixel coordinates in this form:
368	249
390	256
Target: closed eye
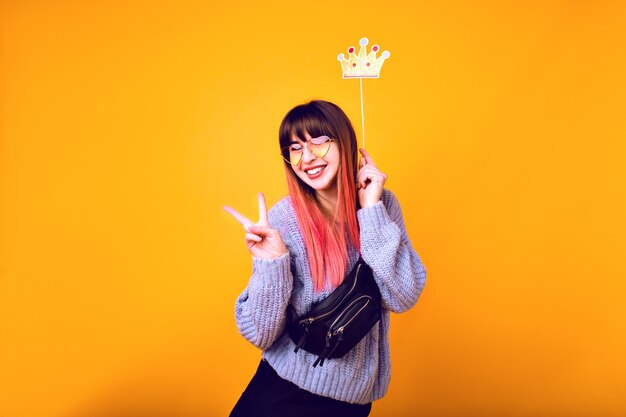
320	140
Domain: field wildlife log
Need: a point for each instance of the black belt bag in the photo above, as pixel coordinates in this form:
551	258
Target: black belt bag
336	324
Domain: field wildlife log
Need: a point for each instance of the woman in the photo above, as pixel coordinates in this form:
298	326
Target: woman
301	251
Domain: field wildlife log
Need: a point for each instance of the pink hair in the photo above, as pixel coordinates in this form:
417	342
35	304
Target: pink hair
325	233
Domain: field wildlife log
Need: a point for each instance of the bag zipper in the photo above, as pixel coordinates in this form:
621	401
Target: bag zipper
340	330
310	320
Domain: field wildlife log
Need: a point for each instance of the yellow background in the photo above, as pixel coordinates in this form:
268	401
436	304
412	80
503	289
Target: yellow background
126	126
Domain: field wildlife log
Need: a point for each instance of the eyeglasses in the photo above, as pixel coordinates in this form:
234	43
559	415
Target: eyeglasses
317	146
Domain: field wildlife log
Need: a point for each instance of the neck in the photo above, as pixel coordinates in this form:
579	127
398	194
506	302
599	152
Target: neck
328	199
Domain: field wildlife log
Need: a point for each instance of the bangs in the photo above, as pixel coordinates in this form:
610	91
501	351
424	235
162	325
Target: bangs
306	118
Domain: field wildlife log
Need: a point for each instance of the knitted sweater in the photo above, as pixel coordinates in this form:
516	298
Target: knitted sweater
362	375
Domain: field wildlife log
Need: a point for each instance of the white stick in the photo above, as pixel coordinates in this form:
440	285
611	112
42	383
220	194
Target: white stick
362	113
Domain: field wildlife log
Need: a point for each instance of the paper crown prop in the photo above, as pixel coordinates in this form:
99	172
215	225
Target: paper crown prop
363	65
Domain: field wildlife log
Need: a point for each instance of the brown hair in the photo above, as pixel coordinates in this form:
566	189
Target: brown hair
324	234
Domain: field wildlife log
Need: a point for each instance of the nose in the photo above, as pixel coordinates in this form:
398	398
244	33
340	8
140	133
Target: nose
307	156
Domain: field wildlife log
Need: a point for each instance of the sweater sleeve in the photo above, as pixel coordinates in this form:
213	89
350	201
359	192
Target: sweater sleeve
260	310
386	248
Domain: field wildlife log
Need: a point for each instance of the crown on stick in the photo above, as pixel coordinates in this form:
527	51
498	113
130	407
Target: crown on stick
363	65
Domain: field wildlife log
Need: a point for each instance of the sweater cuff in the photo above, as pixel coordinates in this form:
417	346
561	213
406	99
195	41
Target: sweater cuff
270	273
373	217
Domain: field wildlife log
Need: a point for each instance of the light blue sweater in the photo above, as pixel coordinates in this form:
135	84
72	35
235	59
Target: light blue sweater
361	376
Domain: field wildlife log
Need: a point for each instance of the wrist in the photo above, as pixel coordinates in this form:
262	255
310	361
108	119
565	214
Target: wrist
279	254
369	203
268	257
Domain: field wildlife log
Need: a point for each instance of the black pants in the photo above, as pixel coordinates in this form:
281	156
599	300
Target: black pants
268	395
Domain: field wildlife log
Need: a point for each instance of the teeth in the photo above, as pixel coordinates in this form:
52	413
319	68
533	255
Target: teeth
314	171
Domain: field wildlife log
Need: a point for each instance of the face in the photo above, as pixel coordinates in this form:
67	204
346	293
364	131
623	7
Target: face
308	169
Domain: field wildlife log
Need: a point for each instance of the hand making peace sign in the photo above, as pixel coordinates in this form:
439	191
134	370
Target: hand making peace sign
370	181
262	241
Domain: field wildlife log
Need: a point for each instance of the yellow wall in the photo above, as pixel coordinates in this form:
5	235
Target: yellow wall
125	128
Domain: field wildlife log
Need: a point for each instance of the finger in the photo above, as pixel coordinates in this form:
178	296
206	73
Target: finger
263	211
372	176
375	174
361	162
253	237
368	158
245	222
363	180
366	172
370	169
369	174
259	230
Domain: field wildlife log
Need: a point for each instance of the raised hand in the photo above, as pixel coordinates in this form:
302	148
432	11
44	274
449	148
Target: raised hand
262	241
370	181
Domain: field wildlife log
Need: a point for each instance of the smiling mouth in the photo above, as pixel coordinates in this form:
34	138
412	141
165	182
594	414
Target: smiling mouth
315	171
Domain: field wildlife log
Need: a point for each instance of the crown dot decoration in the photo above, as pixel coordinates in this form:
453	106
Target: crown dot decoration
362	65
